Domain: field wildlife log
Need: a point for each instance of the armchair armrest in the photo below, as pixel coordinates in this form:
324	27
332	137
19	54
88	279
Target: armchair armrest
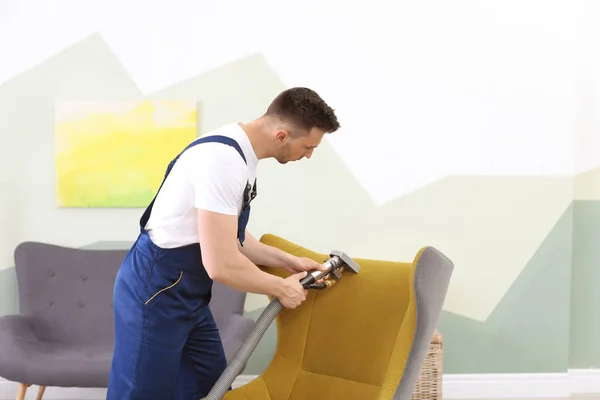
430	278
16	328
15	332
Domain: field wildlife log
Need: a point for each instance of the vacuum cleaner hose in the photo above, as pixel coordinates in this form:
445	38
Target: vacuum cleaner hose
236	365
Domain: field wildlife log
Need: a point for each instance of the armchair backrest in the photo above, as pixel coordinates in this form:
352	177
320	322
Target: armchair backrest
68	291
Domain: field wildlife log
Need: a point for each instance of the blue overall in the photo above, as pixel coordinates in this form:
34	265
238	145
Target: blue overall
167	345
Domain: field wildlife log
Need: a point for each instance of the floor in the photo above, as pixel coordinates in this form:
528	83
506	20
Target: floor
577	397
580	397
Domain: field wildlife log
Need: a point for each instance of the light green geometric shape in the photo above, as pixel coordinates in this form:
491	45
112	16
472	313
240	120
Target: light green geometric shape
9	301
585	284
528	332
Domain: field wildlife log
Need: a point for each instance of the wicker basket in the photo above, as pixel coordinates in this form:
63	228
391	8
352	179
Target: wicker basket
429	384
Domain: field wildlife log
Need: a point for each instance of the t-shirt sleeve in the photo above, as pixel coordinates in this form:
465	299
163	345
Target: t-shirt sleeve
218	176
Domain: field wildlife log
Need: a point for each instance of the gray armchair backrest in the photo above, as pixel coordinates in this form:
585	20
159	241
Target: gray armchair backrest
226	302
68	291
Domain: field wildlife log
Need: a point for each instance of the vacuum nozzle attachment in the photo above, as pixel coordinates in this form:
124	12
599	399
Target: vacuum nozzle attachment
338	262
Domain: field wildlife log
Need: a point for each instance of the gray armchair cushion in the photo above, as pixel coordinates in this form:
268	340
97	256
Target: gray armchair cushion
65	332
25	358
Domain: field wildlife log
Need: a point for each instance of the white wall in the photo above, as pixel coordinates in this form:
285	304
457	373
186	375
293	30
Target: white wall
461	122
425	90
480	84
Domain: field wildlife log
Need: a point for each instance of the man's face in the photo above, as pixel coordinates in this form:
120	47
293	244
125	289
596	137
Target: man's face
296	148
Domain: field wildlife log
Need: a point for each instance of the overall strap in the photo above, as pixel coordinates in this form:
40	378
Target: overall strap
207	139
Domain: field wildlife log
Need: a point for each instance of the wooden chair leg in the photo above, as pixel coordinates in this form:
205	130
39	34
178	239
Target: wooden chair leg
41	391
22	391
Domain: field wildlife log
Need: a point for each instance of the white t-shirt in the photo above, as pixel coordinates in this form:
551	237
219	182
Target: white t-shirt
209	176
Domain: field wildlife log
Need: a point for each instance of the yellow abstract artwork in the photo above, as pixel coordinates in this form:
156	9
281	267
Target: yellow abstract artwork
115	154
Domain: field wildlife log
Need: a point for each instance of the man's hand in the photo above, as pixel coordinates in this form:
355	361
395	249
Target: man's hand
300	264
292	293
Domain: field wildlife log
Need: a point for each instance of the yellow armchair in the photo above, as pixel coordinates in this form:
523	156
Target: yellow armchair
364	338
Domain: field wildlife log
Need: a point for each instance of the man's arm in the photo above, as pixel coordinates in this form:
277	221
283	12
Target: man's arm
265	255
223	260
270	256
218	177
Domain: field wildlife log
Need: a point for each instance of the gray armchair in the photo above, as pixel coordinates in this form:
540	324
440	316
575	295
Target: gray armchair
227	307
63	334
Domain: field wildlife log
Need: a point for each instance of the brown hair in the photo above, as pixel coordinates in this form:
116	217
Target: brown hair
303	108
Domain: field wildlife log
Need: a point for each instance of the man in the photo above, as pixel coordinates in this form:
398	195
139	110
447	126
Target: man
167	345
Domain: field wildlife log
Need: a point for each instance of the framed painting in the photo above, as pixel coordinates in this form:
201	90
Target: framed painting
114	154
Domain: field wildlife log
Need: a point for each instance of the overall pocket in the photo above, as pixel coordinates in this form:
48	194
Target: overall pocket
163	287
166	318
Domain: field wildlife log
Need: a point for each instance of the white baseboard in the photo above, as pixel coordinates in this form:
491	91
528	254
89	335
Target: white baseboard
467	386
584	381
522	386
506	386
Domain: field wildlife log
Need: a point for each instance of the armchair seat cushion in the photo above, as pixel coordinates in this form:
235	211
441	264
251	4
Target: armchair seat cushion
308	385
27	359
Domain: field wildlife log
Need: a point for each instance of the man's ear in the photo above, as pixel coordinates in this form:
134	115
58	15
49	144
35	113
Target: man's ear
281	136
